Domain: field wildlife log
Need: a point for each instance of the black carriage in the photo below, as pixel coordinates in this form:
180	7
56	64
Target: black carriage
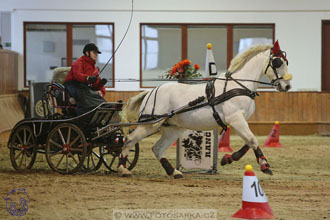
70	142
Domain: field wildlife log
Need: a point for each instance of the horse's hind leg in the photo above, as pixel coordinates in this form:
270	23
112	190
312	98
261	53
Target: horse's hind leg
169	135
138	134
238	122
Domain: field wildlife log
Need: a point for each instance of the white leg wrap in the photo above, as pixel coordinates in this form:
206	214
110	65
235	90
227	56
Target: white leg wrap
124	171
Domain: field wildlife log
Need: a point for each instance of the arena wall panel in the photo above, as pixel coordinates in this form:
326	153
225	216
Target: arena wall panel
8	72
10	109
10	112
299	113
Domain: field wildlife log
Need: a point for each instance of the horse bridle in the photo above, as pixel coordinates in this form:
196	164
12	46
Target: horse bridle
274	63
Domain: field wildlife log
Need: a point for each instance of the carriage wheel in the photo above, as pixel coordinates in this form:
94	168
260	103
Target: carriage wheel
23	148
110	157
93	160
66	148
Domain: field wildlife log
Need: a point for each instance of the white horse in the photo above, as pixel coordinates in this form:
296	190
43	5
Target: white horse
245	71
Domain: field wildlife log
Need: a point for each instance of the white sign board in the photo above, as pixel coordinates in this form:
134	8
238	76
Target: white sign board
198	150
252	191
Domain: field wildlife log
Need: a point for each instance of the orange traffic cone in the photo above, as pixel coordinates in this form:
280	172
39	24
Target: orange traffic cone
224	141
254	200
273	139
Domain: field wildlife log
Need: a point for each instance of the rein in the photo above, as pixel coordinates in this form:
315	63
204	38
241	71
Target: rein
211	99
129	25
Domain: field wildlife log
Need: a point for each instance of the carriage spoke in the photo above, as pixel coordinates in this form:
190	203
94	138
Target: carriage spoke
57	153
25	158
88	161
58	163
96	155
76	150
18	155
24	132
73	158
56	144
29	138
67	162
61	135
28	147
93	162
74	141
20	163
112	161
68	137
16	148
28	153
19	138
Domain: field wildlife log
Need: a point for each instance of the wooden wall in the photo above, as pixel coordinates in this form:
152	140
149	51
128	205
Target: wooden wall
10	109
114	96
299	113
8	72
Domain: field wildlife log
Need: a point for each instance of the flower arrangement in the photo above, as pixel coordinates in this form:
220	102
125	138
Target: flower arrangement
183	70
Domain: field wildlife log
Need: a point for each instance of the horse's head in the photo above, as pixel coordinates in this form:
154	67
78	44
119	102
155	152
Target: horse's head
278	71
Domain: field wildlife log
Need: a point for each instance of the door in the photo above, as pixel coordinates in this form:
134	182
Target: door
326	56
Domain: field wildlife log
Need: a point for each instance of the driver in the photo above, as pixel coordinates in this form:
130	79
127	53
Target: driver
83	82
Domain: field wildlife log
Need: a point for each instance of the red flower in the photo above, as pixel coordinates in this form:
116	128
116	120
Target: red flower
181	64
196	66
181	70
174	69
186	62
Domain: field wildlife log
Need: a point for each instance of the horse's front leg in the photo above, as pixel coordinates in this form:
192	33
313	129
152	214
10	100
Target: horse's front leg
238	122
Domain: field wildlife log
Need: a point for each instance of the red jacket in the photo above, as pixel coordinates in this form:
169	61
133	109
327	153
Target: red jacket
83	67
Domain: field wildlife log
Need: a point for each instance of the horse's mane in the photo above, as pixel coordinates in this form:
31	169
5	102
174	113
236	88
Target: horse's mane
240	59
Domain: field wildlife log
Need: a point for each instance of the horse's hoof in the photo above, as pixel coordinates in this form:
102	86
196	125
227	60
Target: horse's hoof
178	176
124	172
265	168
227	159
125	175
268	171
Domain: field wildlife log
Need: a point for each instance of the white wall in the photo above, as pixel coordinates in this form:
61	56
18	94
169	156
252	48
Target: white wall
297	26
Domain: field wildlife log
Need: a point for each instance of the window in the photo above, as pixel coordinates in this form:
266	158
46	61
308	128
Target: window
50	45
163	45
199	37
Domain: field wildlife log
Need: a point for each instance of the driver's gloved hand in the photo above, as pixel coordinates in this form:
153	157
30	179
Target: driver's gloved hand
103	81
91	79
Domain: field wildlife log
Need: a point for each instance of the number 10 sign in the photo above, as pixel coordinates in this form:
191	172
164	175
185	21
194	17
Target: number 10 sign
252	191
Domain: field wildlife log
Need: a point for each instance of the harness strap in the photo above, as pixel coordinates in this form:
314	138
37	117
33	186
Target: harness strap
210	93
199	103
212	100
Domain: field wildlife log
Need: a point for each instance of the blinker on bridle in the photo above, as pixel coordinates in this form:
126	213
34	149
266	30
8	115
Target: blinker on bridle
276	62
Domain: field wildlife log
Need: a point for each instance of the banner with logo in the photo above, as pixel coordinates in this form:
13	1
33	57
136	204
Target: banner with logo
198	150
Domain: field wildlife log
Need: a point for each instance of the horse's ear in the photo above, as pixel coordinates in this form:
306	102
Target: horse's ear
276	48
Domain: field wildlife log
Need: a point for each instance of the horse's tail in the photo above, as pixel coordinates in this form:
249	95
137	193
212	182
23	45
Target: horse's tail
131	110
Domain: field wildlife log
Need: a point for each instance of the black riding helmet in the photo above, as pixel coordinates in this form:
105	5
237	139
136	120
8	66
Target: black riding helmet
91	47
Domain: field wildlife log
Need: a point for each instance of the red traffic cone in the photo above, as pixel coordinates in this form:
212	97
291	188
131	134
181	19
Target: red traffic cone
254	200
273	139
224	141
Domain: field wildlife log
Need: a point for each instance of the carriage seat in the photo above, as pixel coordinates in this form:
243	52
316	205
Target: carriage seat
59	76
60	96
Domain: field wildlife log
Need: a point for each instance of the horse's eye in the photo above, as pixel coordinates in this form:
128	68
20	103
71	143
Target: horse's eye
277	62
